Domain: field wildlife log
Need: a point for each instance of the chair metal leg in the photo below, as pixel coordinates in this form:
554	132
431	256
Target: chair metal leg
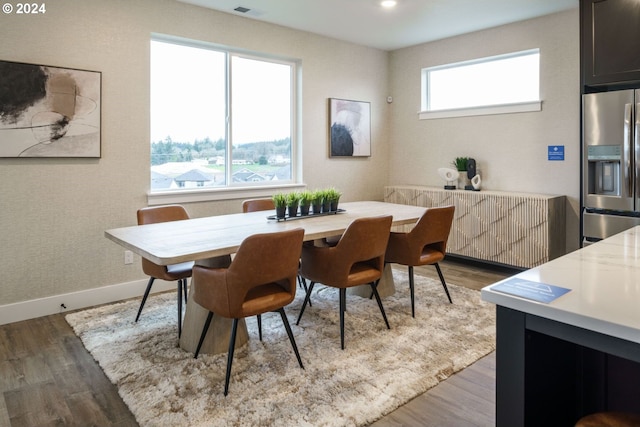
306	301
144	297
179	308
259	316
374	288
232	346
303	283
411	290
207	322
343	308
444	285
185	291
287	327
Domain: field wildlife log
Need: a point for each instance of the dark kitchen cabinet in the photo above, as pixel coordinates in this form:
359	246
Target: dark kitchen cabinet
610	43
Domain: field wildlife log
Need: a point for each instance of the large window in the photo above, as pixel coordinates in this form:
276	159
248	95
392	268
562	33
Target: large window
504	83
220	118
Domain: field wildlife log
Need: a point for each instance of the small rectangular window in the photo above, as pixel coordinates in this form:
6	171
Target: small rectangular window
504	83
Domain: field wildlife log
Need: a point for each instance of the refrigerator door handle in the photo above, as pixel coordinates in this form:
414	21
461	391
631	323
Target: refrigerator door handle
636	143
628	176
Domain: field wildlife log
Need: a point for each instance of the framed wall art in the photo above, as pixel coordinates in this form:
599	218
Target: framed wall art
49	111
349	128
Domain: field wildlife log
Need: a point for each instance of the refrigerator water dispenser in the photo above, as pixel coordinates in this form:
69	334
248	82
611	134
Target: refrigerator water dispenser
604	169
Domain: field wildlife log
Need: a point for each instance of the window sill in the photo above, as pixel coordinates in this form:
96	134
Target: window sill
207	195
521	107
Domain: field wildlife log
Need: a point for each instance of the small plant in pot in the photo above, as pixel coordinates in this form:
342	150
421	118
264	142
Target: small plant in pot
334	197
461	164
326	202
280	201
293	201
305	202
316	201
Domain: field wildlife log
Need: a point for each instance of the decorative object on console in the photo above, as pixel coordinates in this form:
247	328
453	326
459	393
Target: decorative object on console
49	111
476	181
471	172
461	164
449	176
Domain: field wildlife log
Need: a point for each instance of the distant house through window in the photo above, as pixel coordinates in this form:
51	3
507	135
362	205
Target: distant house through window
493	85
220	118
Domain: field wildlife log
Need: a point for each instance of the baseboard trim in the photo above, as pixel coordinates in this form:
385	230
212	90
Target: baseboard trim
55	304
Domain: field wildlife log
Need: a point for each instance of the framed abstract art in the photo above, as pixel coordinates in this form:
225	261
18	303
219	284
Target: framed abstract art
49	111
349	128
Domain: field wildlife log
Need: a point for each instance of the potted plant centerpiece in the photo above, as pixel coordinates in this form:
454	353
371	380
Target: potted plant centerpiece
334	197
316	202
293	201
280	201
326	202
305	202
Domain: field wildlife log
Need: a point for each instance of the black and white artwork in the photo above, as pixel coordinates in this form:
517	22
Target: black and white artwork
49	111
349	128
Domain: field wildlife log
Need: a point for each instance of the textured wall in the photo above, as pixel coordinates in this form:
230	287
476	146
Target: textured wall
53	213
510	149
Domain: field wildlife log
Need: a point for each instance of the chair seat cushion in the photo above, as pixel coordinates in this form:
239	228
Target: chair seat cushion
178	271
264	298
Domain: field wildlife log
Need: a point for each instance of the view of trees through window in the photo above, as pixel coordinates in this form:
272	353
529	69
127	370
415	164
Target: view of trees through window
218	118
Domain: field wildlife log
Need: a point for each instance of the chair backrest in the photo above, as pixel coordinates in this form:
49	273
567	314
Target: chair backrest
364	241
166	213
253	205
432	229
261	259
153	215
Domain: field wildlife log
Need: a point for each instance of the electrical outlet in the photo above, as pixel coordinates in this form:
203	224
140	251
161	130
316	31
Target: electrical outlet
128	257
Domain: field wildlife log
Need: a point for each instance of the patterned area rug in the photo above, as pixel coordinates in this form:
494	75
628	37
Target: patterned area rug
378	371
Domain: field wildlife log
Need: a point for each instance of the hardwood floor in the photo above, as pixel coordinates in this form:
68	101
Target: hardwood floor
47	378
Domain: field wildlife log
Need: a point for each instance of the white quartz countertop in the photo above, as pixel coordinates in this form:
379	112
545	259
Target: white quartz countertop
604	279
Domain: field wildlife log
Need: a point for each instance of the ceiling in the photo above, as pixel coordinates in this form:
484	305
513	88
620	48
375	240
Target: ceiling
411	22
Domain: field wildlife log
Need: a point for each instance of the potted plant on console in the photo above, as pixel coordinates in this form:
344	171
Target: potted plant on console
460	163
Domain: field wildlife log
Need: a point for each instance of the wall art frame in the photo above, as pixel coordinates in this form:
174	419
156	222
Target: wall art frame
48	111
349	128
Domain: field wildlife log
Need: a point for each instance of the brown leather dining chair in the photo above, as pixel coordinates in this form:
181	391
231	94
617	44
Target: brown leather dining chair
425	244
254	205
260	279
180	272
609	419
357	259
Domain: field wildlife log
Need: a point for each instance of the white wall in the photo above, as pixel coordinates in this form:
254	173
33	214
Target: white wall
53	212
510	149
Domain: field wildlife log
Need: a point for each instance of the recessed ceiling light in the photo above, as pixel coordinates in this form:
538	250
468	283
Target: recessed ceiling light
388	3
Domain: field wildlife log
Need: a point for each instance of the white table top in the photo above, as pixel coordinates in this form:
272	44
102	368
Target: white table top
604	279
201	238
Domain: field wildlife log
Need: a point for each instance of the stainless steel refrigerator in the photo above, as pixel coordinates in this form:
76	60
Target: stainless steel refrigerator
611	163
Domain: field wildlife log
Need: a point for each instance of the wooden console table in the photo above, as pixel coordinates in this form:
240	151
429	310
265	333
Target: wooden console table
517	229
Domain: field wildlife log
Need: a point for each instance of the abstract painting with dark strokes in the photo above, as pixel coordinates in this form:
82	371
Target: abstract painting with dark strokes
49	111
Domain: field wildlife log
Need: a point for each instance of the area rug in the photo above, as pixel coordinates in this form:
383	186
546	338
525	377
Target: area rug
378	371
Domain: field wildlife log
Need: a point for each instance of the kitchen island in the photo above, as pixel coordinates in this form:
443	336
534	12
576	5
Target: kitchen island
578	353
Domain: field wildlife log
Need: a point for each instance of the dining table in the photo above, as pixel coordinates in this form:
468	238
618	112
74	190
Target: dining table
212	240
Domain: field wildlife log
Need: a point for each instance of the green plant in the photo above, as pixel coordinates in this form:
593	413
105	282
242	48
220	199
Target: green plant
332	194
460	163
306	198
293	199
280	200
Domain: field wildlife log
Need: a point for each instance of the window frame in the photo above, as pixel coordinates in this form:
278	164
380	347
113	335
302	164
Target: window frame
515	107
246	189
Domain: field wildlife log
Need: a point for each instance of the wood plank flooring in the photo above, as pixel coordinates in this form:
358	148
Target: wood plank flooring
47	378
